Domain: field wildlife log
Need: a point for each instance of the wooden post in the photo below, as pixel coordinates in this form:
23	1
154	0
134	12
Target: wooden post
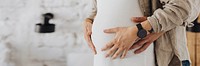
191	46
198	49
198	45
193	39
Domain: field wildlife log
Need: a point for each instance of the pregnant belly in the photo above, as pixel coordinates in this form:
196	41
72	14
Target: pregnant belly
106	18
102	23
112	14
100	39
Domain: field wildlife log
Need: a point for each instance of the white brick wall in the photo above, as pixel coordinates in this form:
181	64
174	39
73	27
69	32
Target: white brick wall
17	23
12	3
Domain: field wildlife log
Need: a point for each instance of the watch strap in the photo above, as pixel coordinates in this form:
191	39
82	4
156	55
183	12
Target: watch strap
139	26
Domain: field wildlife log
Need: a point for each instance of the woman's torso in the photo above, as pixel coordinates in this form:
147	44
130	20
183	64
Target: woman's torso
117	13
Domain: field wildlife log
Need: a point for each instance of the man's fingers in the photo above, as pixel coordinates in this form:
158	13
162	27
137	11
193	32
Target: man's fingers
112	30
143	48
138	19
139	43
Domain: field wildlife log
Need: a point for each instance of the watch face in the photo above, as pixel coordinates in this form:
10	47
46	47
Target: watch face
142	33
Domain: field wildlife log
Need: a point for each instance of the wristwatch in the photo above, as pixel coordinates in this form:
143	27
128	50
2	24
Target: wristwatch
142	33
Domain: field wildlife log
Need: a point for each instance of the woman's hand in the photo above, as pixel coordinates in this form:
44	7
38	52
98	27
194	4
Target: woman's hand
124	39
143	44
87	34
126	36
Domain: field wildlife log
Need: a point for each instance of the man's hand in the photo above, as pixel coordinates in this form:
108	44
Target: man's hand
144	43
87	34
149	39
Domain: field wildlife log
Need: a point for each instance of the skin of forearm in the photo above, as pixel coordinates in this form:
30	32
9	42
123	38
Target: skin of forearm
147	26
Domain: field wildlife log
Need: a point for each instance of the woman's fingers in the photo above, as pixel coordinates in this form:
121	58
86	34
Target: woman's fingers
90	43
108	45
112	50
111	30
124	54
123	39
138	19
117	53
121	51
143	48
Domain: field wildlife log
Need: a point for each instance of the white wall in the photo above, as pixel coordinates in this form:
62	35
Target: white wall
24	47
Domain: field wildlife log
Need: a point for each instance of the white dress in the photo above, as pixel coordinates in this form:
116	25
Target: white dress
117	13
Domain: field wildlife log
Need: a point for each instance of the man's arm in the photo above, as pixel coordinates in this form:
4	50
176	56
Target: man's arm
144	43
174	13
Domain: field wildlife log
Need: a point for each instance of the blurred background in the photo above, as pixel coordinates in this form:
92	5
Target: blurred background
193	39
20	45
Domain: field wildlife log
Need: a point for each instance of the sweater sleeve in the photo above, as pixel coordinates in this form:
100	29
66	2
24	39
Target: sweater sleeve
93	12
174	13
